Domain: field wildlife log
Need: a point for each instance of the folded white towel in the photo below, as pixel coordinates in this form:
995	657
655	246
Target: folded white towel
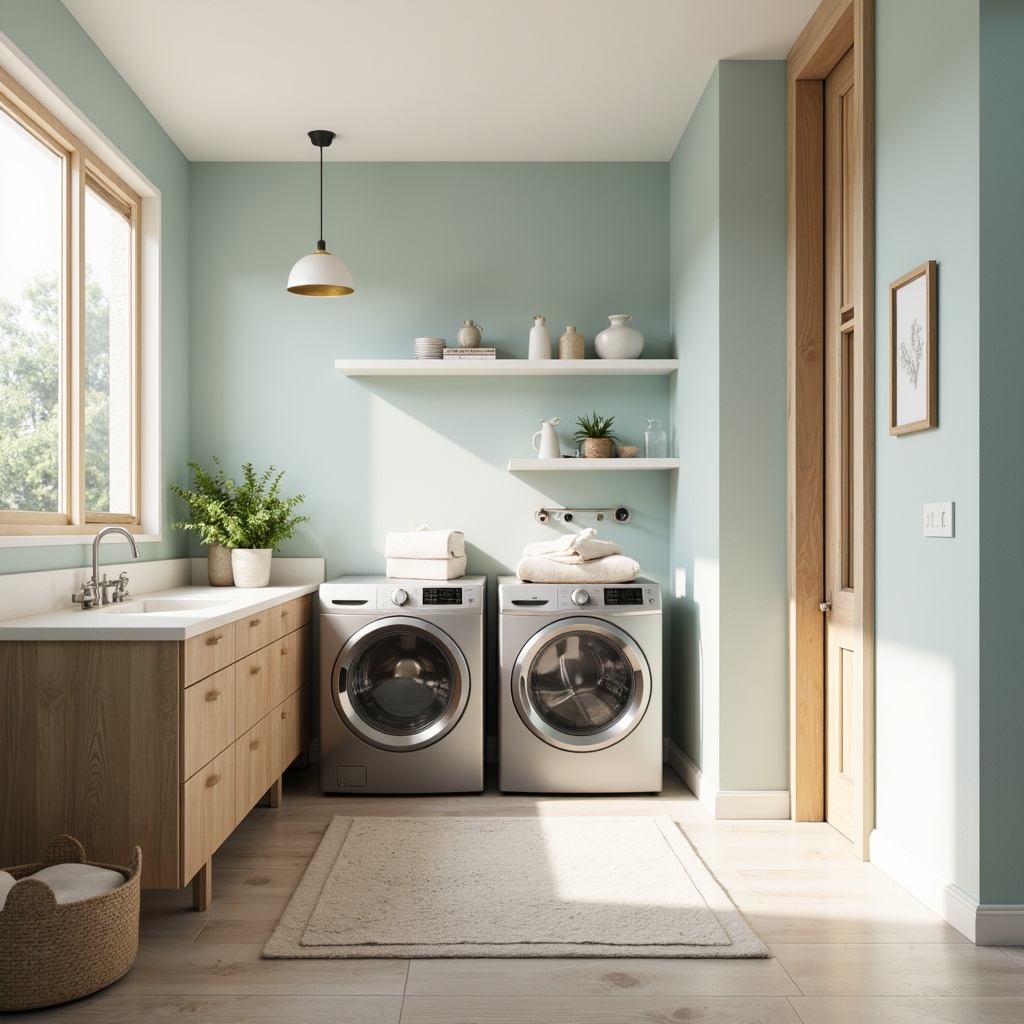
610	569
425	543
574	548
69	882
426	568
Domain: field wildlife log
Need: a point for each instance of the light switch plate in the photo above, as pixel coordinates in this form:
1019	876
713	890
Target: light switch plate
938	519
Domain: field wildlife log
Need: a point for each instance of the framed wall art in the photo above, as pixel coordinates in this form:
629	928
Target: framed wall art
913	351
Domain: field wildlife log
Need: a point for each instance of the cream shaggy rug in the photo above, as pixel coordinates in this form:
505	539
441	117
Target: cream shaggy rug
509	887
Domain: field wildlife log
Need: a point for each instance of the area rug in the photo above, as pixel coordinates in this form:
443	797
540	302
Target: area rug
509	887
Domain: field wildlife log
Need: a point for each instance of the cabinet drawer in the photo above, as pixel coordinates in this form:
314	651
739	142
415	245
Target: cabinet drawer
253	688
208	720
255	768
287	617
291	660
293	725
207	812
253	632
209	652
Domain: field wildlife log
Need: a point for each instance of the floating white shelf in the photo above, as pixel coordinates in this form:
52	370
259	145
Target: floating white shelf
588	465
506	367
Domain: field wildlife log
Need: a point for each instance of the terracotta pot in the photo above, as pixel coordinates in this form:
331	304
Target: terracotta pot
597	447
218	566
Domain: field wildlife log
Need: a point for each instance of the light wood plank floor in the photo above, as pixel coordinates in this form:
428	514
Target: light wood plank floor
847	944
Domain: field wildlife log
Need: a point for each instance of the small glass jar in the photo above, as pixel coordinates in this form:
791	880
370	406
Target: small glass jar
655	441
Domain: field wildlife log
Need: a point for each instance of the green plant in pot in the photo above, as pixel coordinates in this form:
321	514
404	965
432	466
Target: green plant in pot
247	520
211	508
261	519
595	436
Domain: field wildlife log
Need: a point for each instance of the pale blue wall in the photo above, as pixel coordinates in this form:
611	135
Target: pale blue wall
52	40
927	590
728	287
1002	450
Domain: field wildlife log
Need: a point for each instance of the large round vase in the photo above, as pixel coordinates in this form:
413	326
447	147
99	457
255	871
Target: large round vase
251	566
619	341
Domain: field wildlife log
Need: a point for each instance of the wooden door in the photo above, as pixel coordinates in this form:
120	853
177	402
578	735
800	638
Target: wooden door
842	700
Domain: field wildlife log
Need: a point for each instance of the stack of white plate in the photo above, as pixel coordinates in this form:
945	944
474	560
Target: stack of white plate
430	348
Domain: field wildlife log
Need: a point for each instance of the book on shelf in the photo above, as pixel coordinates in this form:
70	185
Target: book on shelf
469	353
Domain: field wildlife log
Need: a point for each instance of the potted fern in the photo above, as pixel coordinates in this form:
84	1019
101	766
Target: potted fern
595	436
210	509
261	518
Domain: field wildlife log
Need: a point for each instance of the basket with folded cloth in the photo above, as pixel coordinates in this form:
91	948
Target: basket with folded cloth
68	927
425	554
576	558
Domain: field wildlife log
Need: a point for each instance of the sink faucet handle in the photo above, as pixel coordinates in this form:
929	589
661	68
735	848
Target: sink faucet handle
87	596
121	588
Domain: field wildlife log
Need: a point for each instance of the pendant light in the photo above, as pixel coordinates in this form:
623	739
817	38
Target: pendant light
321	273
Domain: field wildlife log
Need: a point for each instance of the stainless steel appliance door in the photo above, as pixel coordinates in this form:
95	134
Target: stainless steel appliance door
581	684
400	683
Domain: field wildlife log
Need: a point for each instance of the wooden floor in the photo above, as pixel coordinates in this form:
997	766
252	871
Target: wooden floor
847	944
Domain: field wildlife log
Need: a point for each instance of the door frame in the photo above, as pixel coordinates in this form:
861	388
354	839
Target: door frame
834	27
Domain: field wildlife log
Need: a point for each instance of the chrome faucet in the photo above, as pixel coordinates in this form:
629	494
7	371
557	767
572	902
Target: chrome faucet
95	591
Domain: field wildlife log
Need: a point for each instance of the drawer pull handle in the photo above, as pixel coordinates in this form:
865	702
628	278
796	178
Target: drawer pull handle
213	780
284	652
254	670
284	612
255	622
211	640
253	744
284	714
212	695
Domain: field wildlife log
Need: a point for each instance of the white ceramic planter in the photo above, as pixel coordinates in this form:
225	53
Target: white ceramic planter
251	566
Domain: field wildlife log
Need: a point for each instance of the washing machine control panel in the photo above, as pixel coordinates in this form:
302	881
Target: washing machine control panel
439	597
624	596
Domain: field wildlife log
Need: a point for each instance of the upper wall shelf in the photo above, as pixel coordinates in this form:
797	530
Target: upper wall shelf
506	367
588	465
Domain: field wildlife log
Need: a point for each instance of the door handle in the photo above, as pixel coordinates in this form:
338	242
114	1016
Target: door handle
825	606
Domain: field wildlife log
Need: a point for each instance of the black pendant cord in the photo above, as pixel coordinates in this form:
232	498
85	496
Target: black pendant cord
321	244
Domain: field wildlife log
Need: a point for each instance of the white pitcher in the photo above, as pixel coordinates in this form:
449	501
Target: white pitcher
549	447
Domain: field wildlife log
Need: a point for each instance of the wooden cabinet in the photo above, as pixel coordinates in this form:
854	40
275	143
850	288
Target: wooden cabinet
162	744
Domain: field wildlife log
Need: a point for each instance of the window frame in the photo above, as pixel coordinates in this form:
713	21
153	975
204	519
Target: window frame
82	169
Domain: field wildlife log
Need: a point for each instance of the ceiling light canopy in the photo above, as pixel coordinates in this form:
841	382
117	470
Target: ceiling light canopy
320	273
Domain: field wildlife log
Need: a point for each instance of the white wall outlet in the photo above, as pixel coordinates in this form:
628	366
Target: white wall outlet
938	519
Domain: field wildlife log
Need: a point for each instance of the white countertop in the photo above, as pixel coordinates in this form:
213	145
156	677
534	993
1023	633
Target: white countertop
164	621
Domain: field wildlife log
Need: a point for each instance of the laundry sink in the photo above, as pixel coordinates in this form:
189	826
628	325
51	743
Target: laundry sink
163	605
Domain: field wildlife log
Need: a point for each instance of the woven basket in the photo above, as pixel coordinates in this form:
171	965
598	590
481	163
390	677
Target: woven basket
52	952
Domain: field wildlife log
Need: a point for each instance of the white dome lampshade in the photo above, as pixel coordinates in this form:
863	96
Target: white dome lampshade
320	273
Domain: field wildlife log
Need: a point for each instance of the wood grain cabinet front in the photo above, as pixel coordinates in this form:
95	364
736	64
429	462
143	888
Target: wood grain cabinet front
163	744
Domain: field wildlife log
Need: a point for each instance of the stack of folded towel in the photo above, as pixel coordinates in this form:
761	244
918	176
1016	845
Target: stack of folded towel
426	554
577	558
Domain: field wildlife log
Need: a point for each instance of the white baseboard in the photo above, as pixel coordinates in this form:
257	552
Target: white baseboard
938	894
999	924
736	804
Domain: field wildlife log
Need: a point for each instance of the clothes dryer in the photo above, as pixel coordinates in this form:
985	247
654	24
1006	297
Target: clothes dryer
401	685
579	705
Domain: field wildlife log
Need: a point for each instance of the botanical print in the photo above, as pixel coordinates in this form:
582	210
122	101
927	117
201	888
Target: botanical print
912	358
910	362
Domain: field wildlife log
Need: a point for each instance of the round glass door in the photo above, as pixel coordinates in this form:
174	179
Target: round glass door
401	683
581	684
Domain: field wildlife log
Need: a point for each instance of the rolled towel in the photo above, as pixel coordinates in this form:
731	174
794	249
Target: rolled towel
425	543
610	569
574	548
426	568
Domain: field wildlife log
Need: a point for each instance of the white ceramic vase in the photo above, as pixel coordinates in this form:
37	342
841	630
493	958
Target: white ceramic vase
619	341
540	339
469	335
251	566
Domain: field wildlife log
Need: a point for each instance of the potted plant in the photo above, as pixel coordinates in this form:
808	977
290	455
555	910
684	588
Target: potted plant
261	518
210	508
595	436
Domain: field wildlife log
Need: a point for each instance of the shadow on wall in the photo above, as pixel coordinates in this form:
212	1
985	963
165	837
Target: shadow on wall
682	621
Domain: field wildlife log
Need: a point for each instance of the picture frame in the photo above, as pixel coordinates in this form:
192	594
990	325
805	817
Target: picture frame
913	351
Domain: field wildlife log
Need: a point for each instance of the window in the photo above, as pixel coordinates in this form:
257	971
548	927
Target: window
69	331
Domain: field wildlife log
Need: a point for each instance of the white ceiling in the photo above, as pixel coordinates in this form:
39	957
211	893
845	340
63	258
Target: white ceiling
431	79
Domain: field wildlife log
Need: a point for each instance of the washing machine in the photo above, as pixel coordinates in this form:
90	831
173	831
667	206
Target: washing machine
579	704
401	685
